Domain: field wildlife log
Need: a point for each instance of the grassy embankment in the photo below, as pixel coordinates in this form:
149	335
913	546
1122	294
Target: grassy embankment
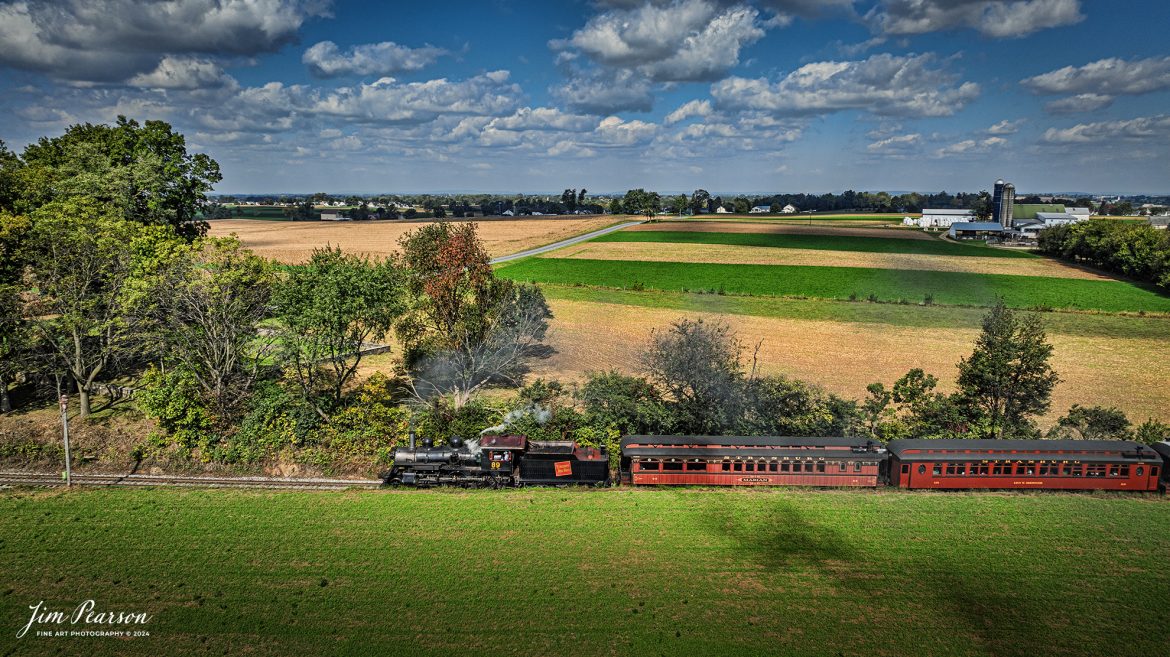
565	572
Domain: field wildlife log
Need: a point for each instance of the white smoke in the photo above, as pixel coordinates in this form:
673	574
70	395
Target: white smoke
538	413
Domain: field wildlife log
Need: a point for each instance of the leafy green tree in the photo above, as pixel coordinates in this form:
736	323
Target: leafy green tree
779	406
328	310
639	201
1008	378
698	364
699	200
9	178
569	200
679	204
142	170
742	205
1152	431
1092	423
983	206
629	403
15	341
212	300
87	268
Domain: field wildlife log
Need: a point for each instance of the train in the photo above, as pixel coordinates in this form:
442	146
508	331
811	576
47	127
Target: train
839	462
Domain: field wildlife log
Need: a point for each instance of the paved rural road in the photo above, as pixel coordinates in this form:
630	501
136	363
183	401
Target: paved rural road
563	243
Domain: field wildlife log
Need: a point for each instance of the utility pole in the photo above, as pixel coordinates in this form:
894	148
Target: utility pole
64	402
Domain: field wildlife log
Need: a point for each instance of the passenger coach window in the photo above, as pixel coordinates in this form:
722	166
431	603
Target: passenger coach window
905	468
785	467
727	467
937	470
857	466
1140	471
821	466
922	469
672	466
845	466
696	466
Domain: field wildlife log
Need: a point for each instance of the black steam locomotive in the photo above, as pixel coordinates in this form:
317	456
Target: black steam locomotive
499	462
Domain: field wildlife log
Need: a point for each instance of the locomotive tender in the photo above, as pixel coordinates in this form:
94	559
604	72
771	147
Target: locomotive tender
506	461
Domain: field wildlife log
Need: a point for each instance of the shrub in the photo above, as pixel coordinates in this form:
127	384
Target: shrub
174	399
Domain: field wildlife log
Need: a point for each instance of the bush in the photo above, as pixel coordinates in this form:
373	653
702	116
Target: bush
370	428
277	420
174	399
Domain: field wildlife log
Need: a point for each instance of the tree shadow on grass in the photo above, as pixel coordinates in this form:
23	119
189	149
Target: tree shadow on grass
955	610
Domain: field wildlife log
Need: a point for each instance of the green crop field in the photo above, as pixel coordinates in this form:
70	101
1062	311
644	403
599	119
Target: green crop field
568	572
821	242
947	288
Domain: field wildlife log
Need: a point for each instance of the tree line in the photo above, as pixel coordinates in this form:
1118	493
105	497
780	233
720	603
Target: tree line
1138	251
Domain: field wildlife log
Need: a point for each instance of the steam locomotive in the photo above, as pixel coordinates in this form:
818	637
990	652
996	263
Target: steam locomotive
511	461
499	462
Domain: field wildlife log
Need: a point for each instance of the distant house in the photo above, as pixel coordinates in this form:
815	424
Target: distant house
943	218
789	209
722	210
976	230
507	213
332	215
1160	222
761	209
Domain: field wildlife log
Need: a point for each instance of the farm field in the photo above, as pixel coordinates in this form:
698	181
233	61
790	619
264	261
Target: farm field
293	242
814	219
616	571
699	252
1106	360
864	240
830	282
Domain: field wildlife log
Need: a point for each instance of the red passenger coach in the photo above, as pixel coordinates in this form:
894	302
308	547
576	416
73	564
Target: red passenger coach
750	461
1051	464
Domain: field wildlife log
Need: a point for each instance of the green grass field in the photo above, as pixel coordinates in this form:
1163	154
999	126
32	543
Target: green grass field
947	288
820	242
567	572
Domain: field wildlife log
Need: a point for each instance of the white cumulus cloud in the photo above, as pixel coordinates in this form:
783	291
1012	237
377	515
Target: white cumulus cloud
993	18
884	84
326	60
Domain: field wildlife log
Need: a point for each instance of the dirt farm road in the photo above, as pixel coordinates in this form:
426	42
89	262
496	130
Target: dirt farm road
563	243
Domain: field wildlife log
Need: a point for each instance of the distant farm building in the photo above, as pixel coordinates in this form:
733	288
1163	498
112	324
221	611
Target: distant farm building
722	210
333	215
940	218
1028	211
761	209
976	230
1160	222
789	209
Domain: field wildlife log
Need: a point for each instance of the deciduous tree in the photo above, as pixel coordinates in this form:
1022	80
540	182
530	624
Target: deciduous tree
328	310
1008	378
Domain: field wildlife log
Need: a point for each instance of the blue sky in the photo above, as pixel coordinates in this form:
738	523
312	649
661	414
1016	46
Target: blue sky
511	95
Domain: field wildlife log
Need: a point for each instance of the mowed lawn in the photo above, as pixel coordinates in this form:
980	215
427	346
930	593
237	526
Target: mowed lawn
819	242
569	572
827	282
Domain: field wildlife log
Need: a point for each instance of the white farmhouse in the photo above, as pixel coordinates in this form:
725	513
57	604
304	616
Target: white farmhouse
722	210
761	209
789	209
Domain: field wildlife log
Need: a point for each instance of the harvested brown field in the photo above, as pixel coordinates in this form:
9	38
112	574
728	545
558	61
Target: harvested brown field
293	241
754	255
844	357
836	230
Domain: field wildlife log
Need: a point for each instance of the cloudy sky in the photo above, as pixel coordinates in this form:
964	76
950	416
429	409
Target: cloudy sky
512	95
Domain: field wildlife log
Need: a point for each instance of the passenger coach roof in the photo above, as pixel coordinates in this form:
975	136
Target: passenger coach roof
899	447
748	441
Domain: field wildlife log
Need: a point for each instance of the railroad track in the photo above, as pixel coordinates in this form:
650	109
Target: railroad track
193	481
